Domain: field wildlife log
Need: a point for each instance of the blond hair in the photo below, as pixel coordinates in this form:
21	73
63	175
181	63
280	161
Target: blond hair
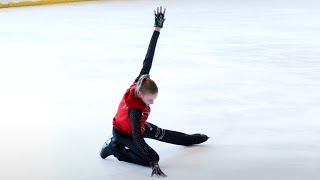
145	85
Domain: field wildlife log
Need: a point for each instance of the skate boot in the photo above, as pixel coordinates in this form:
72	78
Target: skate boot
199	138
106	149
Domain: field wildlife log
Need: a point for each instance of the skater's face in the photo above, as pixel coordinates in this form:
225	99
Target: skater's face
148	98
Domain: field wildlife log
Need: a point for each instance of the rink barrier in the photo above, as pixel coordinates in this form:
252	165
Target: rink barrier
36	3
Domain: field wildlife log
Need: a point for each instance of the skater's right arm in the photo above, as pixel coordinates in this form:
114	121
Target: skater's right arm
135	114
147	62
158	24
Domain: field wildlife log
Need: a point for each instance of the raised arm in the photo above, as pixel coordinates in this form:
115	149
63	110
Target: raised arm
147	63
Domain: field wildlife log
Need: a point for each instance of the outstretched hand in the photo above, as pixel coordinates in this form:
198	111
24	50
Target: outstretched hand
156	170
159	17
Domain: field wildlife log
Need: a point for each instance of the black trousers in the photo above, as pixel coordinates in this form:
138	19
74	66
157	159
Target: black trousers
124	148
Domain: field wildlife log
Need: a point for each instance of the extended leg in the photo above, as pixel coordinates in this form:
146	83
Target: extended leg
154	132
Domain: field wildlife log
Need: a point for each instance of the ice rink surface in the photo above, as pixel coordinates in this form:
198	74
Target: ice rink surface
247	73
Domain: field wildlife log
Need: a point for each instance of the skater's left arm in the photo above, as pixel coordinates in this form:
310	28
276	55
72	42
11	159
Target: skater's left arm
135	118
152	156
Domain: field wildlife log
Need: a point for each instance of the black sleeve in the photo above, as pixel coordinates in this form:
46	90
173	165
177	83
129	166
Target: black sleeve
135	117
147	63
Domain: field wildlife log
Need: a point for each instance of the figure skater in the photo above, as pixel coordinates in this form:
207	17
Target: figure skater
130	125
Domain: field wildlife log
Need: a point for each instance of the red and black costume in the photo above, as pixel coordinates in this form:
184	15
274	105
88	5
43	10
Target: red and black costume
130	125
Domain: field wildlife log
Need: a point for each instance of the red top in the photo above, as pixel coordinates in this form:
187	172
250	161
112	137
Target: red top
121	120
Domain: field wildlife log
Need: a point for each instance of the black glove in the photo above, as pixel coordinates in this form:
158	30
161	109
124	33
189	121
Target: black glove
159	17
156	170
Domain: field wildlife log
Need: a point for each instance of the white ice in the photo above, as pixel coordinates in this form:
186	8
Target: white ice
247	73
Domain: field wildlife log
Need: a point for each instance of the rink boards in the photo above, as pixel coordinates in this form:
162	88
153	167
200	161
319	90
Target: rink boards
19	3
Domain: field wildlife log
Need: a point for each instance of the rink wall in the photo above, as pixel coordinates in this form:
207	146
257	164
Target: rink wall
19	3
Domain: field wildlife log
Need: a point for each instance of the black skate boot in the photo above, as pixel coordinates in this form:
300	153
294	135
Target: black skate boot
199	138
106	149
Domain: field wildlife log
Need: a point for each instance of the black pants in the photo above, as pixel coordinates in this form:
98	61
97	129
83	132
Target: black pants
124	148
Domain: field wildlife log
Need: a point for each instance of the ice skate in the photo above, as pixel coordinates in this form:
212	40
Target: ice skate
106	149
